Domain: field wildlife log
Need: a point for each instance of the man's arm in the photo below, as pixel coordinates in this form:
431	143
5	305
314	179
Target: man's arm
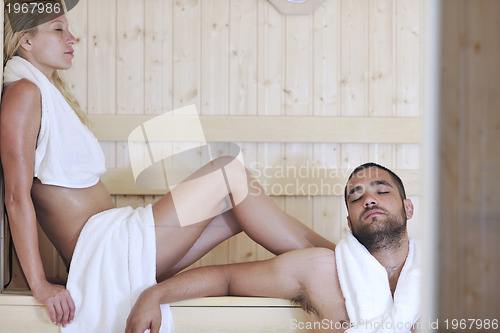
295	275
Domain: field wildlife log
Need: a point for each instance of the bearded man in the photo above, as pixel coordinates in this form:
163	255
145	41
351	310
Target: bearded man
370	283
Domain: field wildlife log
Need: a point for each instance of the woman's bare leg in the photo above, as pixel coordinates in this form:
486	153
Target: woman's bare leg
253	212
218	230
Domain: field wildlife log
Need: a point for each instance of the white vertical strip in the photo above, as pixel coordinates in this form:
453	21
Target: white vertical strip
431	162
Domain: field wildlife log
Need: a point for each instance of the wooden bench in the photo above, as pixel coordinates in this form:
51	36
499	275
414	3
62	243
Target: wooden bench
22	313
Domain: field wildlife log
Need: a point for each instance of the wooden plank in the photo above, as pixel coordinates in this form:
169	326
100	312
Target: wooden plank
354	85
298	100
101	69
186	53
212	314
130	65
381	46
409	60
23	298
35	319
327	71
382	74
409	87
130	57
76	77
270	96
271	129
354	57
291	181
243	58
215	31
215	60
449	182
409	84
241	320
479	160
158	37
327	60
101	62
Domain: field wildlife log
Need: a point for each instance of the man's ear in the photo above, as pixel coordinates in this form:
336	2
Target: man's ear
24	42
408	208
349	222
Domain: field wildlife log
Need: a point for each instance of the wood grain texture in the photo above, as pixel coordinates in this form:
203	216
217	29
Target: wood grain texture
213	314
292	129
470	174
331	89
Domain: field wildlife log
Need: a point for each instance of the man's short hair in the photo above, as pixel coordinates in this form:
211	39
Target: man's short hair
369	165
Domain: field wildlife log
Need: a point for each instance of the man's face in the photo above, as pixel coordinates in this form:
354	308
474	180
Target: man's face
377	213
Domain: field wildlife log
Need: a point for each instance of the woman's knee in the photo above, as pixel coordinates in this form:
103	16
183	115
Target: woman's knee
236	177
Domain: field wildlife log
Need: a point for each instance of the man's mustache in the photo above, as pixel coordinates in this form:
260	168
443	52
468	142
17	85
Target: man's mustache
370	209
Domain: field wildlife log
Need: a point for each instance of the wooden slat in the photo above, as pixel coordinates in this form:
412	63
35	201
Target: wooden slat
241	320
272	129
212	314
327	69
277	182
354	83
298	101
25	298
270	95
242	99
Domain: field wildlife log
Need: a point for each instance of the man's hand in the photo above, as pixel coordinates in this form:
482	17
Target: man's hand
145	314
58	302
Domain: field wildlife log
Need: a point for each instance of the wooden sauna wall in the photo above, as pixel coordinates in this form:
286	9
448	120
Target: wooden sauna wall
470	172
348	58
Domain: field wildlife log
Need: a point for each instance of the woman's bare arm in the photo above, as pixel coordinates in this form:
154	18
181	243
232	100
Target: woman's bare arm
20	119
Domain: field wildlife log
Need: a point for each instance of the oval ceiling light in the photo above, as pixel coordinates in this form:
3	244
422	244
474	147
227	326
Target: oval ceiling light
296	6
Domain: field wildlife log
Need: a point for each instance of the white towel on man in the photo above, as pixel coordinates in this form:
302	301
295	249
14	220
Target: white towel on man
365	286
113	262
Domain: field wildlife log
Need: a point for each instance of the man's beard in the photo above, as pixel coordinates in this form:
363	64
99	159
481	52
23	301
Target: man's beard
381	235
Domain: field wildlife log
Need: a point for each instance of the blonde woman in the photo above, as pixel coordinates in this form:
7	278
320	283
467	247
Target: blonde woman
52	164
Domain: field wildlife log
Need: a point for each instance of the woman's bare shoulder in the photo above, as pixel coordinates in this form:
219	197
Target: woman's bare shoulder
21	88
21	101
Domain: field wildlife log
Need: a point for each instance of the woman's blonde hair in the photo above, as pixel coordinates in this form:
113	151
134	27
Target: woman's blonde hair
26	24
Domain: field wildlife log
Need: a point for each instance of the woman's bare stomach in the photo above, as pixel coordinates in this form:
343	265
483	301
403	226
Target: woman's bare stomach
62	212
